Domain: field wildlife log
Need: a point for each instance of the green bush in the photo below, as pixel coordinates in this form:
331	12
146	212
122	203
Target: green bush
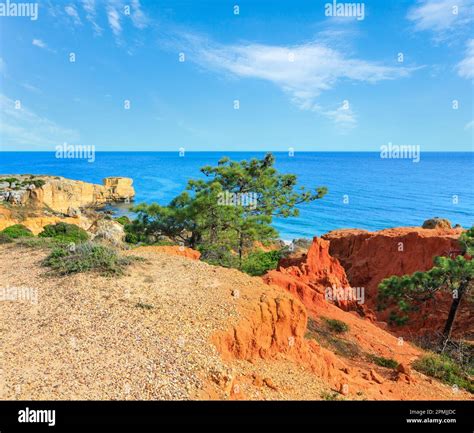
124	220
336	325
260	262
17	231
85	257
445	369
383	362
64	232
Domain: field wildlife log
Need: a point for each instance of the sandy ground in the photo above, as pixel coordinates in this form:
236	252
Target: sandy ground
147	335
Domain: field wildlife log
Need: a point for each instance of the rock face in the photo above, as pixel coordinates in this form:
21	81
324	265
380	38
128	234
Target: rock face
369	257
437	223
274	328
309	275
64	196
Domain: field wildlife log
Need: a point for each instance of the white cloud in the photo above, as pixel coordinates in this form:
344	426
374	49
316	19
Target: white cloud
72	12
343	117
90	9
465	67
22	127
39	43
31	88
139	19
303	71
113	17
445	18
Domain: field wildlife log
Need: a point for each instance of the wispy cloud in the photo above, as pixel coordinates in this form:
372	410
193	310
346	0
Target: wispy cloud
39	43
303	71
118	11
343	117
113	17
444	18
72	12
465	67
89	7
31	88
23	128
139	19
469	125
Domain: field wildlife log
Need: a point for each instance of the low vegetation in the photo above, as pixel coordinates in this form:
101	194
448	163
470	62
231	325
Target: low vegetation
335	325
87	256
324	334
260	262
443	368
5	239
14	183
17	231
383	362
63	232
124	220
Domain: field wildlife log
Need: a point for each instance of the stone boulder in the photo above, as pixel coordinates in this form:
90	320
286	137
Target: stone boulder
437	223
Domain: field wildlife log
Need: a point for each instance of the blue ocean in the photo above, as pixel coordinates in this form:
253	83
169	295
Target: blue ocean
365	191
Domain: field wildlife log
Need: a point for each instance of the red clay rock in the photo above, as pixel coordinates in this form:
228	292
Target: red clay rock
310	275
404	368
369	257
376	377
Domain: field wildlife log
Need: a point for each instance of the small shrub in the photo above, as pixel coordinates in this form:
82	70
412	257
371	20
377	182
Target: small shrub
445	369
260	262
383	362
85	257
325	338
5	239
124	220
330	396
38	183
64	232
17	231
337	326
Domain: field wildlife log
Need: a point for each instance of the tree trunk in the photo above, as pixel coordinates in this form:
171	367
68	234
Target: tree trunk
241	247
448	327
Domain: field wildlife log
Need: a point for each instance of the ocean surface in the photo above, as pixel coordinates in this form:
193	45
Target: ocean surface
365	191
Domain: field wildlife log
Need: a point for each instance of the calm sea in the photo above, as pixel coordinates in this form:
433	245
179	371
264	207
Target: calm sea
365	191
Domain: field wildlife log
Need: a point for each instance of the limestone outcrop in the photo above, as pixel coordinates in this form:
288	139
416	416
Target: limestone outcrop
61	195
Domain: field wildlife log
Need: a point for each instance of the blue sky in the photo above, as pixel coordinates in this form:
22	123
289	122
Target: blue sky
303	79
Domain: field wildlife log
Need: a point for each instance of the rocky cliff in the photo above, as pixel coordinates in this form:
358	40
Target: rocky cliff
369	257
61	195
309	276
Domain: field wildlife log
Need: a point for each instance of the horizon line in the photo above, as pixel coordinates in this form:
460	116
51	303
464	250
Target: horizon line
237	151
